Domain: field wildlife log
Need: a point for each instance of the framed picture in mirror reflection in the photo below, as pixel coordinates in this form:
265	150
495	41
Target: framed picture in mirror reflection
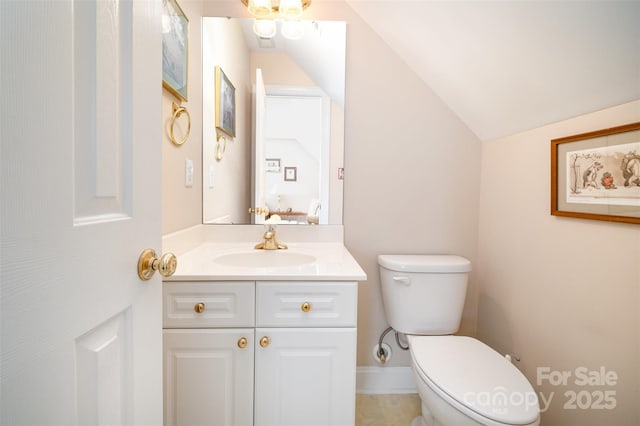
272	165
225	104
290	174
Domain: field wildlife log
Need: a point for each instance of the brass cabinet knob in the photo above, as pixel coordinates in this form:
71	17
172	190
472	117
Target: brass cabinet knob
264	342
306	307
242	342
199	307
148	264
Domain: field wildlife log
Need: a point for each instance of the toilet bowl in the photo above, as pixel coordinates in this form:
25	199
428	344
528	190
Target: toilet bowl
460	380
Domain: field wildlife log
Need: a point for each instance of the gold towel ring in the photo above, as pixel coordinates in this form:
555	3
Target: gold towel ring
221	146
177	112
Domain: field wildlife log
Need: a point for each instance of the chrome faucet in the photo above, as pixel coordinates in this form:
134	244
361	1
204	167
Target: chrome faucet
270	242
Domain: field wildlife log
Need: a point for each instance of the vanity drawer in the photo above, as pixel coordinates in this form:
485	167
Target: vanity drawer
306	304
208	304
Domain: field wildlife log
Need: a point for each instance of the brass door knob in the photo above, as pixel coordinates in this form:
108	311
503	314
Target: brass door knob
242	342
306	307
264	342
199	307
148	264
259	210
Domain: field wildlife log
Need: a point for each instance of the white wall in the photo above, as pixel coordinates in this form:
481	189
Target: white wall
182	206
562	293
412	173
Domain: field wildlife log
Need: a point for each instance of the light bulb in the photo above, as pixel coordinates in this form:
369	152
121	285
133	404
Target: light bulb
259	8
290	9
265	28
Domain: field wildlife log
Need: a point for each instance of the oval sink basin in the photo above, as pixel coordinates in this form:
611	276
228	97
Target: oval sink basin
265	259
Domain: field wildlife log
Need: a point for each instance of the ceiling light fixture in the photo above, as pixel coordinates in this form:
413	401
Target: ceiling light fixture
267	12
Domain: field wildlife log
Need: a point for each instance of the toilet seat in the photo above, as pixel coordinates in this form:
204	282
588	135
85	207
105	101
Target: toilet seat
475	379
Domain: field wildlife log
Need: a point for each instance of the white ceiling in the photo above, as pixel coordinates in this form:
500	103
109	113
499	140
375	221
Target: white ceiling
507	66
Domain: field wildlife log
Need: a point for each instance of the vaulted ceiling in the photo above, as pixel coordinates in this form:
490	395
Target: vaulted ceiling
507	66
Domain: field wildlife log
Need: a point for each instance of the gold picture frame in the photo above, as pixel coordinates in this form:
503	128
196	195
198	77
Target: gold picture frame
225	104
175	49
596	175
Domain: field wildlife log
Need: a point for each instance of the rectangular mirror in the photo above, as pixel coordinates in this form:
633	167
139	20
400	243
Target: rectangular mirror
287	153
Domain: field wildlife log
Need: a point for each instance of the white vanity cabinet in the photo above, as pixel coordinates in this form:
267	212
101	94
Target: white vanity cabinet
297	366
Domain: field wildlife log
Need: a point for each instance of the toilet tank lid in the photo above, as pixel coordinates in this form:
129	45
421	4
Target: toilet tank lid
434	263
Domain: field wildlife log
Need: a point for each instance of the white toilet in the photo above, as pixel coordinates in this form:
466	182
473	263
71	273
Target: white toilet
461	381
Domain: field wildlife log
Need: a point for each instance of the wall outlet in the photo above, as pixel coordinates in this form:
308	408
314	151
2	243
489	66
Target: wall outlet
188	173
211	177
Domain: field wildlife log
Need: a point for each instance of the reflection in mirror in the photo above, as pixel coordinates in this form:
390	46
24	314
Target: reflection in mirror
287	154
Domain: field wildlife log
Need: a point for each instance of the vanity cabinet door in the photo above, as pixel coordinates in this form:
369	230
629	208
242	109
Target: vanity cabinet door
208	377
305	376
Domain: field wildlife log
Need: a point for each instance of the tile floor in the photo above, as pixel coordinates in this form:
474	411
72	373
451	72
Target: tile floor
386	410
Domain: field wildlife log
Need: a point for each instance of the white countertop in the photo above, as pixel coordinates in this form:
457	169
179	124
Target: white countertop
332	262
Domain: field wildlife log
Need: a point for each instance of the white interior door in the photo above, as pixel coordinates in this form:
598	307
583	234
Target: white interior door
81	166
259	99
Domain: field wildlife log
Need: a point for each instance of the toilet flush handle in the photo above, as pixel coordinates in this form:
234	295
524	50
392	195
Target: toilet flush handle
402	280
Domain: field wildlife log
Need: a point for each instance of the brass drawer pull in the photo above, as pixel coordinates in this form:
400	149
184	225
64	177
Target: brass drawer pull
259	210
264	342
199	307
306	307
242	342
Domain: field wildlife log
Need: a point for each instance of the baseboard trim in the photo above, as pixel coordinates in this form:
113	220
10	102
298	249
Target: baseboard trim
384	380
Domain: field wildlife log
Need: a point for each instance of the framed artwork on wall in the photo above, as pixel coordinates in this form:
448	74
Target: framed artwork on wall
272	165
290	174
225	104
175	49
596	175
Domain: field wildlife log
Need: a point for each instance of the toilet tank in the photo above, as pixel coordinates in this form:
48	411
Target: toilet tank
424	294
